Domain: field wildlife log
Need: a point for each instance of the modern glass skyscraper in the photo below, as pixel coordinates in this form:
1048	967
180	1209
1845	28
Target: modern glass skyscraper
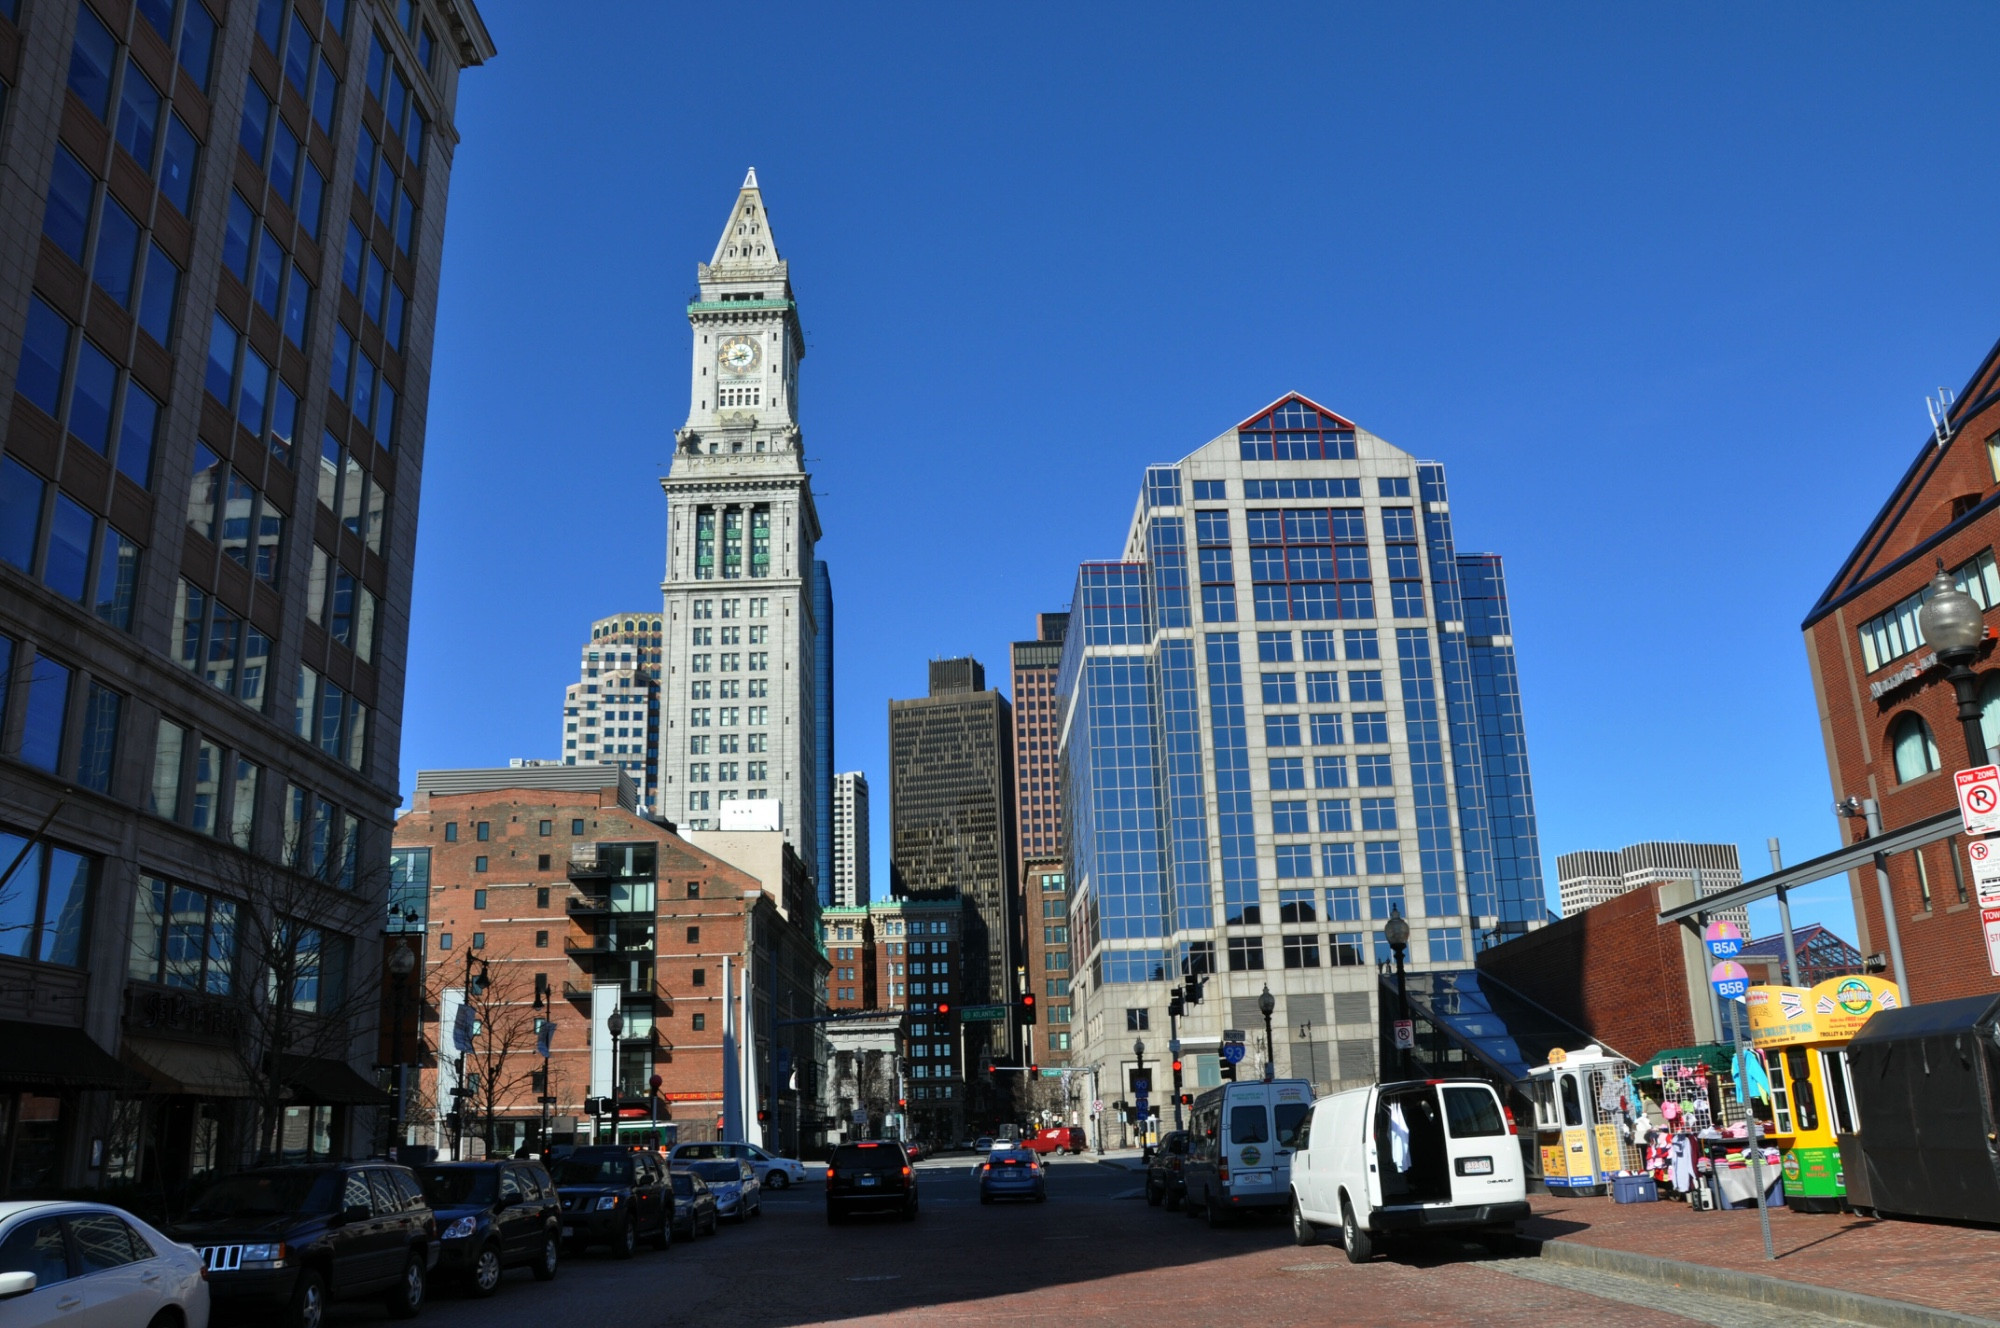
220	248
1287	714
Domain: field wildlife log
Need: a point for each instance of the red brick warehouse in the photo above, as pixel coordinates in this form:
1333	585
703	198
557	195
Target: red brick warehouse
1888	716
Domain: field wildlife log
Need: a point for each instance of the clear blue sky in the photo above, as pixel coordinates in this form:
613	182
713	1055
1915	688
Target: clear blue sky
1663	288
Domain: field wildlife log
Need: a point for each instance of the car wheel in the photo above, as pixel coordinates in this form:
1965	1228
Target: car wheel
485	1278
308	1305
776	1180
545	1266
1152	1195
406	1298
1359	1245
1174	1200
1303	1232
626	1243
1188	1204
834	1217
714	1225
1216	1214
664	1237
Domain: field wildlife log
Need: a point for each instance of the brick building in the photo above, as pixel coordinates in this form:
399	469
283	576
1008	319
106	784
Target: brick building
547	881
1037	788
1045	901
1636	985
1888	716
850	954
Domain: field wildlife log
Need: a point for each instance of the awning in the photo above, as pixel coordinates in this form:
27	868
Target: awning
189	1068
48	1056
1715	1055
1490	1020
329	1083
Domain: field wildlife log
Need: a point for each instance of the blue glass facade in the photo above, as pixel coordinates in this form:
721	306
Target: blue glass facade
823	735
1364	727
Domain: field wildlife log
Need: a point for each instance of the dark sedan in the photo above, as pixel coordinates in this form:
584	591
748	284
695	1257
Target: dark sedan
875	1175
493	1216
695	1212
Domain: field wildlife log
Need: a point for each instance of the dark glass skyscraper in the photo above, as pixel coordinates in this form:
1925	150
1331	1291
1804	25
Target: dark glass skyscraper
219	255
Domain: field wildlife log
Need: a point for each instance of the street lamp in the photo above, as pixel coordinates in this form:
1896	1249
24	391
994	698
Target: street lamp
1954	626
401	962
1267	1004
615	1025
1397	932
475	984
1139	1054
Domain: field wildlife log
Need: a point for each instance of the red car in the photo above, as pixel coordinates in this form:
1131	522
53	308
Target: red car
1057	1139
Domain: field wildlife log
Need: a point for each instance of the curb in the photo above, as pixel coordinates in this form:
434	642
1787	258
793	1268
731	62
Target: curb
1764	1290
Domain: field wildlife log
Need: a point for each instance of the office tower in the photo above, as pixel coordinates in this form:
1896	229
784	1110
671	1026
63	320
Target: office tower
951	812
1272	726
850	839
219	261
1591	876
1037	792
611	713
741	639
823	867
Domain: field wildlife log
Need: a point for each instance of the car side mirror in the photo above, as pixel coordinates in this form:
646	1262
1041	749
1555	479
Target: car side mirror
16	1284
354	1213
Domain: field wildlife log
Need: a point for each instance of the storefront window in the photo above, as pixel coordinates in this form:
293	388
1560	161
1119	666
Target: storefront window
307	1134
31	1127
45	907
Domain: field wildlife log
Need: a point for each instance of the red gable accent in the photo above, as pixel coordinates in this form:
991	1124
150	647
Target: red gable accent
1267	417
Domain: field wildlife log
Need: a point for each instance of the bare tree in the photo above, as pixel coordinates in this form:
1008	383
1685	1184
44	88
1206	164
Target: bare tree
503	1055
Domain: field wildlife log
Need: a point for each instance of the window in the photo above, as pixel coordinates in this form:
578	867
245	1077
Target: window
1447	945
1138	1021
182	937
47	708
699	978
479	940
47	903
1294	861
1296	906
1378	813
451	832
98	750
576	828
1280	688
479	864
1384	857
1245	953
1330	772
483	831
1344	949
1373	772
1364	685
545	829
1916	752
1336	859
1335	816
1288	772
1301	951
1384	901
479	900
1288	818
444	940
1326	728
1371	726
1343	903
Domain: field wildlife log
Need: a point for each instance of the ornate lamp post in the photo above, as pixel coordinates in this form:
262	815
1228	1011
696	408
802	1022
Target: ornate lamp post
401	962
1267	1004
615	1025
1397	932
1955	627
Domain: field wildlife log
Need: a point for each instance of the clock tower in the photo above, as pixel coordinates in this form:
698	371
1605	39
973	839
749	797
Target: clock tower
739	638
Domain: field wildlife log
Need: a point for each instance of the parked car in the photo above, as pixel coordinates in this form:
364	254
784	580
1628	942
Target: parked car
773	1172
493	1216
1012	1173
694	1206
1166	1174
614	1196
1057	1139
983	1144
281	1243
1408	1157
122	1270
733	1182
1240	1158
872	1174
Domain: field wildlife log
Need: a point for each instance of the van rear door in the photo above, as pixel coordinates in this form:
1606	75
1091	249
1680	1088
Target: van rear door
1485	1159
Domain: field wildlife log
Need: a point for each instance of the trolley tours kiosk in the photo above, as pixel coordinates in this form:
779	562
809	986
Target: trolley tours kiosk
1803	1035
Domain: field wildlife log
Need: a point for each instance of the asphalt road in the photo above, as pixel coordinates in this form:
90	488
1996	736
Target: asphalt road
1093	1254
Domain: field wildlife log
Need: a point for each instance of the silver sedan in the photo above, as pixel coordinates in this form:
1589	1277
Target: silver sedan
90	1263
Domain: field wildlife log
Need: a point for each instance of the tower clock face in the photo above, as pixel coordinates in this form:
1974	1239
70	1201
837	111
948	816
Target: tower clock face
738	355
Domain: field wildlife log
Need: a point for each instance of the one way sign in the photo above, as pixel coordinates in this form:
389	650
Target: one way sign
1979	799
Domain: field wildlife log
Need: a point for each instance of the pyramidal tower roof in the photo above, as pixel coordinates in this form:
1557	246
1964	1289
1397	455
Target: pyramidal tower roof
747	244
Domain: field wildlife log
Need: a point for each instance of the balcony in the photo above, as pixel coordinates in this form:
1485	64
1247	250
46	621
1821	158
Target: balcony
587	864
586	906
580	995
606	947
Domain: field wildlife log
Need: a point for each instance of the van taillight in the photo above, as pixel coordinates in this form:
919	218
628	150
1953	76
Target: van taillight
1512	1128
906	1171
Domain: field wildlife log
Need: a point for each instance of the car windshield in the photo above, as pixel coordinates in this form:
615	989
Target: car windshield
714	1172
586	1170
700	1152
449	1187
863	1155
267	1194
1290	1116
1011	1155
683	1183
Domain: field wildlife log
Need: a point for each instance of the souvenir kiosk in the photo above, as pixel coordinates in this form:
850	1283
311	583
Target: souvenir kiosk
1586	1106
1802	1035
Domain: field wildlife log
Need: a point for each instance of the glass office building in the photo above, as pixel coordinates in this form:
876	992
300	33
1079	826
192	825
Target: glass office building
1288	712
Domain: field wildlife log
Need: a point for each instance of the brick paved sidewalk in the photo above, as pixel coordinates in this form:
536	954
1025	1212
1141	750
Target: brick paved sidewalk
1936	1264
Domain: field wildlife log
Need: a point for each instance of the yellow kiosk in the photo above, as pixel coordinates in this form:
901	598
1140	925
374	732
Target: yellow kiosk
1803	1034
1580	1144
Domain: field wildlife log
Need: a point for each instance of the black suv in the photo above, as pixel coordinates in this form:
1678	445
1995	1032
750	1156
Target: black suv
1166	1174
873	1174
493	1216
281	1242
614	1196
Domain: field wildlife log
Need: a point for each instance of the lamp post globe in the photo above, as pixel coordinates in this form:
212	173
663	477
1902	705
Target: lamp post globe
1397	932
1954	625
1266	1005
401	961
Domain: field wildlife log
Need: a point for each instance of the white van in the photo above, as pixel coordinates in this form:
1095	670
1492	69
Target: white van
1240	1141
1439	1155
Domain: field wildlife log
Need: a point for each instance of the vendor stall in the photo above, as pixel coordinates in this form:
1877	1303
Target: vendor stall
1588	1119
1927	1082
1801	1036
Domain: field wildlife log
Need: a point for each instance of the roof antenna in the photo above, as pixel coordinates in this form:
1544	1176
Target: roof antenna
1940	409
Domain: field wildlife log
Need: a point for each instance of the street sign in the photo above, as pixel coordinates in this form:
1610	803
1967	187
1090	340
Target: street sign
1406	1034
1991	918
1141	1087
1051	1072
1730	979
1232	1052
462	1028
1174	1046
1985	856
1979	799
983	1014
1233	1035
1724	939
1097	1106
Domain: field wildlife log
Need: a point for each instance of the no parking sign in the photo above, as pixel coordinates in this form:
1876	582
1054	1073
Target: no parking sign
1979	799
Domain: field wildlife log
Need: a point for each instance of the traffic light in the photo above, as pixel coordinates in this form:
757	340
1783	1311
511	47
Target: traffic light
452	1121
1187	1099
1229	1069
1034	1071
944	1009
762	1115
1028	1008
902	1104
1177	1065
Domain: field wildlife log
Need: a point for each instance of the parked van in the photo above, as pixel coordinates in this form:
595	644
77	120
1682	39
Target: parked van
1438	1155
1240	1147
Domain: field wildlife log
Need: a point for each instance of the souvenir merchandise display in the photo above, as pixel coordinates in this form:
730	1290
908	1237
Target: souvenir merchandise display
1691	1115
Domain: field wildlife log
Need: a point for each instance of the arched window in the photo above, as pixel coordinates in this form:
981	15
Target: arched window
1916	751
1989	712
